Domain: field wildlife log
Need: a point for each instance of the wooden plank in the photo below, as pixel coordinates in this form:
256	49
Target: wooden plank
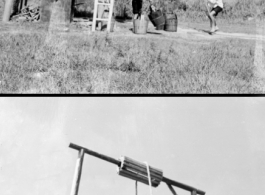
194	192
152	169
141	170
182	186
136	177
143	165
78	172
95	15
7	10
172	189
136	188
98	155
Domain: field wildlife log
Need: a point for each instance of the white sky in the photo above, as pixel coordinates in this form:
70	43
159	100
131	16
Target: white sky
214	144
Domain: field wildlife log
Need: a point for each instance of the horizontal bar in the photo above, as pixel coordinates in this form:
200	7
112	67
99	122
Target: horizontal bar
103	19
118	163
104	4
92	153
182	186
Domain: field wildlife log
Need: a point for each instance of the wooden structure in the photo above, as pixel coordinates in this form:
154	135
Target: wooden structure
13	6
129	168
96	18
7	10
137	171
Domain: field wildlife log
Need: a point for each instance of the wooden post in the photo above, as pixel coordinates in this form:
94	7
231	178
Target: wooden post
78	172
20	4
7	10
194	192
172	189
136	188
72	10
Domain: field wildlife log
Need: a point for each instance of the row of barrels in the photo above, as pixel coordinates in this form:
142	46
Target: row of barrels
137	171
167	22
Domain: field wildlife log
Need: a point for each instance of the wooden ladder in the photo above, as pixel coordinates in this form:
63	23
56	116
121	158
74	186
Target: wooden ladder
110	4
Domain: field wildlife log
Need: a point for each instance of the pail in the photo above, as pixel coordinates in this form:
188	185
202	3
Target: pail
140	26
171	23
158	19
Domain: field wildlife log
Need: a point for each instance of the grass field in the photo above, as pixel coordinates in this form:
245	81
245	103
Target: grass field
102	63
34	61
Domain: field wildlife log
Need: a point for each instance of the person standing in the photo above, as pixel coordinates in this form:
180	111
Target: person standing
214	7
137	6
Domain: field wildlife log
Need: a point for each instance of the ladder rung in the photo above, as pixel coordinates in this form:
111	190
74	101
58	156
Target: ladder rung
104	4
103	19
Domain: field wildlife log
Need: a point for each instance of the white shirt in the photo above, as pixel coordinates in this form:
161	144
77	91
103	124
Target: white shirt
215	3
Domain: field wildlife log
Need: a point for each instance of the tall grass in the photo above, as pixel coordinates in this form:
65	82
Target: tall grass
102	63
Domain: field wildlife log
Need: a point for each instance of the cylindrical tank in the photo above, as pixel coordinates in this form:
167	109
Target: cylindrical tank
171	23
140	26
158	19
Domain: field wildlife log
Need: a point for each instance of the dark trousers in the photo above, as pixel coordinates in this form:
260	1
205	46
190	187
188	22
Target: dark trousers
137	6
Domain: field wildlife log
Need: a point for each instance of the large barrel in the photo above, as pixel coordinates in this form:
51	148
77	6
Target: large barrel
135	170
140	26
158	19
171	23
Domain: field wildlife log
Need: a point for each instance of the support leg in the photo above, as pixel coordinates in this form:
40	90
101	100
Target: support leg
136	192
193	192
78	171
172	189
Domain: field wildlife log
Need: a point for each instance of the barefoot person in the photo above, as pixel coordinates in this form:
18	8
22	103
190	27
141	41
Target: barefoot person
214	7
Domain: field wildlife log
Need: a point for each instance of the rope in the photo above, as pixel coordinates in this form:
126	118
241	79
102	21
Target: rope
149	177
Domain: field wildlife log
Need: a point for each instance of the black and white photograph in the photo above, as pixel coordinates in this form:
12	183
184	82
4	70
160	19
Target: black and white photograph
132	47
132	146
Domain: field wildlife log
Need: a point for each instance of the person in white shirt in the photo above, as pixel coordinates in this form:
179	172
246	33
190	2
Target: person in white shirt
214	7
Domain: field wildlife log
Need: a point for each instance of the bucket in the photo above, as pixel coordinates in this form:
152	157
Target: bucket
140	26
171	23
158	19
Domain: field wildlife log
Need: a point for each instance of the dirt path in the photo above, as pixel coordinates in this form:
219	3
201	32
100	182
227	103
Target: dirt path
188	33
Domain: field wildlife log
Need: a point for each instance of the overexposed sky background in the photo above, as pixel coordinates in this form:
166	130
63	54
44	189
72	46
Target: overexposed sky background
214	144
